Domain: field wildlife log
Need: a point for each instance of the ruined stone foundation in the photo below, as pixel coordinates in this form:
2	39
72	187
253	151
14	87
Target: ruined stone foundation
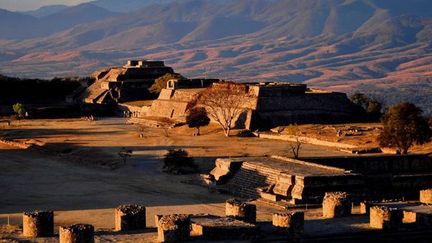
130	217
240	210
292	222
364	207
174	228
38	224
211	228
336	204
78	233
426	196
385	218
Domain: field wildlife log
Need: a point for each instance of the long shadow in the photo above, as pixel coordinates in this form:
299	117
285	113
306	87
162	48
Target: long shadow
41	132
72	166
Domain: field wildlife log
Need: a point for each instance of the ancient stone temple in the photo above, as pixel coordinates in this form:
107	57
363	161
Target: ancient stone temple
267	105
122	84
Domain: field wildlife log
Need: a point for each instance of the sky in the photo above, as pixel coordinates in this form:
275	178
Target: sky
25	5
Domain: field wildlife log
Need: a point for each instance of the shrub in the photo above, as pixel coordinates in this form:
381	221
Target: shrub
19	109
197	117
161	82
371	106
404	126
177	161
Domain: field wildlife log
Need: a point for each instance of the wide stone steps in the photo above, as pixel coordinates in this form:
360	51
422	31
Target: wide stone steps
250	177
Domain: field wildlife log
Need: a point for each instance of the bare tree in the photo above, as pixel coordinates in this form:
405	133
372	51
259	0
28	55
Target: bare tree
295	146
224	103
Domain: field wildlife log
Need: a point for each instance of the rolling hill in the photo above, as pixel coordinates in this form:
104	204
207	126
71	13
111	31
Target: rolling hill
22	26
46	10
382	47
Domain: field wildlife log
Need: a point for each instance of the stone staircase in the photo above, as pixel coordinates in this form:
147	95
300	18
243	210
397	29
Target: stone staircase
249	178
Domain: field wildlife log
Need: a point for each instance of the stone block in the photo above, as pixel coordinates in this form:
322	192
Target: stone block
224	168
268	196
364	207
284	185
385	218
336	204
209	227
174	228
409	217
130	217
426	196
297	192
78	233
240	210
38	224
292	222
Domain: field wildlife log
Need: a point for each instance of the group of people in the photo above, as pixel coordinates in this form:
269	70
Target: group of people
90	118
129	114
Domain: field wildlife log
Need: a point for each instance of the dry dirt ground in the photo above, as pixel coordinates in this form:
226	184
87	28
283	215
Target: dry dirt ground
357	134
77	167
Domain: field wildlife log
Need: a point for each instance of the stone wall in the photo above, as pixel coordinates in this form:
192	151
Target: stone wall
252	177
172	104
312	188
379	164
16	144
329	102
268	109
387	175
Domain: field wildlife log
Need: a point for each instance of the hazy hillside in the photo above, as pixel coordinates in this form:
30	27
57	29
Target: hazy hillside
377	46
20	26
46	10
126	5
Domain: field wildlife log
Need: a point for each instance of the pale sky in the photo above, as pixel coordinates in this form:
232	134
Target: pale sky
25	5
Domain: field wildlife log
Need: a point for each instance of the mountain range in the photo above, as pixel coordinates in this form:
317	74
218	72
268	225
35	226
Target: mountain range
381	47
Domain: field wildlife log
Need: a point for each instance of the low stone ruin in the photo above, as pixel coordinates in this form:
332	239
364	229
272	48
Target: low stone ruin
365	207
426	196
173	228
224	169
78	233
240	210
38	224
130	217
240	222
336	204
386	218
208	227
277	178
291	222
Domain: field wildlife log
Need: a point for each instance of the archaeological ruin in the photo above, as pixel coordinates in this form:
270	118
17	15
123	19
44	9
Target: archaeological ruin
266	105
121	84
281	179
243	187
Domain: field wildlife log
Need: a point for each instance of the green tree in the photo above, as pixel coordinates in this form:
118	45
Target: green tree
404	126
197	117
161	82
19	109
371	106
